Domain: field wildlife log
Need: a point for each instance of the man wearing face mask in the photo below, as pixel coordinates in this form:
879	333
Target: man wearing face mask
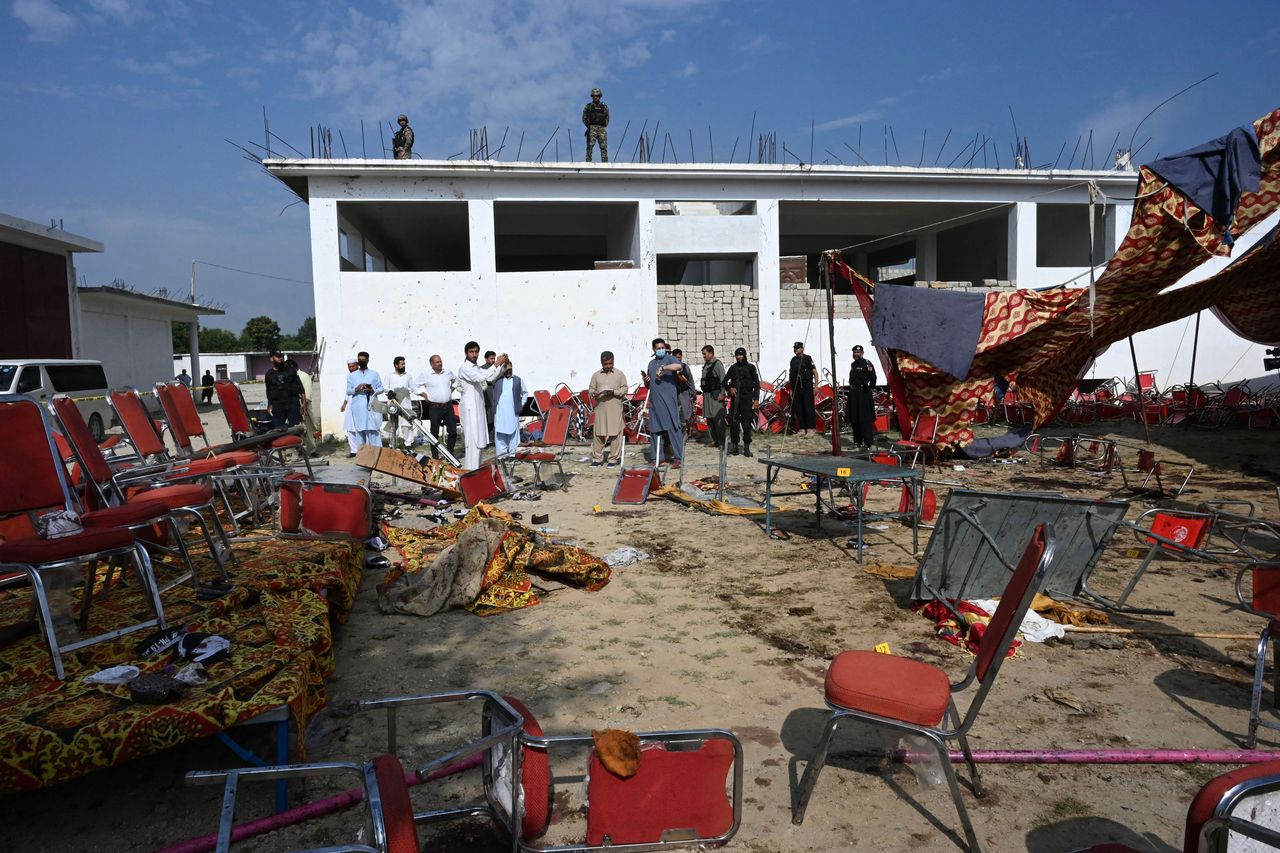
664	403
283	393
363	385
743	381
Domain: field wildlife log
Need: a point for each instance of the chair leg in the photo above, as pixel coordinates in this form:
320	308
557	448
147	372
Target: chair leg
974	776
811	772
146	576
40	597
957	796
1259	672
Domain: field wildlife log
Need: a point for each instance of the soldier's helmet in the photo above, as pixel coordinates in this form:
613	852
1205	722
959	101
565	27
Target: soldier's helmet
402	118
595	92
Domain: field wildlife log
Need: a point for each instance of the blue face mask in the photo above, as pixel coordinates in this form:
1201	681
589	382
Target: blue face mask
660	352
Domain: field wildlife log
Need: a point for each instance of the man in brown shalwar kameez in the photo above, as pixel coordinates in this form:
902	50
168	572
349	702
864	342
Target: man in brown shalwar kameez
608	390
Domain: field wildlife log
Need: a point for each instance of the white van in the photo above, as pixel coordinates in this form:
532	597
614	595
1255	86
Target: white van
82	380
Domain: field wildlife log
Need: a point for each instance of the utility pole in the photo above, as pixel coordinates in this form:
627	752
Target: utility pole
193	335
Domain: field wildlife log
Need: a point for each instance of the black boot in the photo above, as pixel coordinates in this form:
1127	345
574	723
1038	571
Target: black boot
746	450
733	450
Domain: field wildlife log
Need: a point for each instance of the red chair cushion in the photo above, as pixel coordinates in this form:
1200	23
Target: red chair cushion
138	512
397	810
535	778
285	441
52	550
237	457
535	456
888	686
192	467
194	494
1207	799
671	790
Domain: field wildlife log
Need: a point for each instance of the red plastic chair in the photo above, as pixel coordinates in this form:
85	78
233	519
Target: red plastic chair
904	695
189	497
313	510
542	399
32	482
555	432
241	425
1177	533
923	435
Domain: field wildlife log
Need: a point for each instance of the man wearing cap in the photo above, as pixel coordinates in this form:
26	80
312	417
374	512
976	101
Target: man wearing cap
348	425
402	142
802	377
860	408
284	392
743	381
608	388
595	118
363	386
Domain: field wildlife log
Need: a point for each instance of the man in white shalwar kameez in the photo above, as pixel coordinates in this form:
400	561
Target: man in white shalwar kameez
363	385
471	404
353	437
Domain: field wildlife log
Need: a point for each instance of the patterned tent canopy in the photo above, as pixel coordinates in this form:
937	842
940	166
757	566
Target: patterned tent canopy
1047	339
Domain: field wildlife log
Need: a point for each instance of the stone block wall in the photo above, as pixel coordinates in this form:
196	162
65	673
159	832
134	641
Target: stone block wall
802	304
983	286
727	316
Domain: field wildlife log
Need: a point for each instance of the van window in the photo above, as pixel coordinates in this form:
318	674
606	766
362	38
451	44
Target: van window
70	378
29	380
7	372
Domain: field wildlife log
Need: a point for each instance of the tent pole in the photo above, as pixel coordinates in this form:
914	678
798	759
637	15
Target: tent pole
824	277
1195	345
1137	385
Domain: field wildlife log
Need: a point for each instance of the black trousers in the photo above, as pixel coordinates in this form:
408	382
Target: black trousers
802	414
206	394
286	413
741	419
861	412
715	425
442	414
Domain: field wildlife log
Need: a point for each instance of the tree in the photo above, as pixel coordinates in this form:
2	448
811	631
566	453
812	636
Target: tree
260	334
180	338
218	340
306	334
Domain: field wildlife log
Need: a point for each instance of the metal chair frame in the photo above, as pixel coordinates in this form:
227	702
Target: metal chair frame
958	726
557	412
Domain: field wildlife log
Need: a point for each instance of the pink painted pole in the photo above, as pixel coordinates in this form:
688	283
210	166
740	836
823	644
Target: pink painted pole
1110	756
307	811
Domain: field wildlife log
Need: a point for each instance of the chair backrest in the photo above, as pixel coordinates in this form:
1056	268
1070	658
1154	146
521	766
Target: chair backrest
885	459
233	407
543	400
1023	586
32	476
1266	587
1146	380
926	428
324	509
137	423
557	429
185	407
169	406
1187	529
1233	397
1247	795
78	434
563	395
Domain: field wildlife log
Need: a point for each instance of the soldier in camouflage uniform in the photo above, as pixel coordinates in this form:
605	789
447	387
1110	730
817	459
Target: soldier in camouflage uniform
402	142
595	116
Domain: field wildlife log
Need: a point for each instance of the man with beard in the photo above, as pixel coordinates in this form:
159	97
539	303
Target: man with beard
473	380
363	385
608	390
713	395
400	383
743	381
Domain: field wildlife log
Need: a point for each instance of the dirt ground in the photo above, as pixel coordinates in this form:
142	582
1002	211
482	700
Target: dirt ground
723	627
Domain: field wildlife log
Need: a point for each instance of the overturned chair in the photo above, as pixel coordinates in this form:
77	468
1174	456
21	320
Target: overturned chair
677	797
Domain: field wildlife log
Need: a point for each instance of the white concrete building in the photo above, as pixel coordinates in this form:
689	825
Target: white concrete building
553	263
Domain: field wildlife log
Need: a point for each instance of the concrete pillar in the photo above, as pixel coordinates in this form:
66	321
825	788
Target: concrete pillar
193	346
1022	244
927	256
327	288
774	352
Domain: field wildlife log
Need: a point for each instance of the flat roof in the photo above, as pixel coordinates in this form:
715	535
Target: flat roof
295	172
175	304
45	238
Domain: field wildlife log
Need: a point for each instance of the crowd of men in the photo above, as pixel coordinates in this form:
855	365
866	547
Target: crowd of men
491	398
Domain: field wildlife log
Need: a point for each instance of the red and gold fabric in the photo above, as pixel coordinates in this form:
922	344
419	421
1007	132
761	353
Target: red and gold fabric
277	617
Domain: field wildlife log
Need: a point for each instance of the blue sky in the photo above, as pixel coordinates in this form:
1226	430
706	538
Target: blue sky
115	111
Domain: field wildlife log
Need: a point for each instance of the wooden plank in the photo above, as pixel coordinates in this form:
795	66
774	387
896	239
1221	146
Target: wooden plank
430	472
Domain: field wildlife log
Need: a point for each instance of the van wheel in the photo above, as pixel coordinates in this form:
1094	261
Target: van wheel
95	427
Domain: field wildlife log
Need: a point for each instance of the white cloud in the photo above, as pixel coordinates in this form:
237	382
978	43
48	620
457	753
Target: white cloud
667	35
124	10
945	73
856	118
188	58
526	63
690	69
45	18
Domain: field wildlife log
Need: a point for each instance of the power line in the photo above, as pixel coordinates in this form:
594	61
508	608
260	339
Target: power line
250	272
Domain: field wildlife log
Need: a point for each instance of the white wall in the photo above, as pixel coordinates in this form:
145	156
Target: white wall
135	345
237	365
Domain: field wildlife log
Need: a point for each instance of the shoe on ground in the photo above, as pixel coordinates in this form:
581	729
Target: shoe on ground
733	450
675	464
613	464
747	451
351	455
596	464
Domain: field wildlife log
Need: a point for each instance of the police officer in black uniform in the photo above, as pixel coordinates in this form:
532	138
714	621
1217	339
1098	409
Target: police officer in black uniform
860	408
743	381
284	393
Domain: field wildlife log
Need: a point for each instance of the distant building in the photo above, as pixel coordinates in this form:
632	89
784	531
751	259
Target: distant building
47	316
554	262
238	366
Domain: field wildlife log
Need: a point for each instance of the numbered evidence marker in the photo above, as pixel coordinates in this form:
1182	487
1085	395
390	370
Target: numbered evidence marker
842	472
883	648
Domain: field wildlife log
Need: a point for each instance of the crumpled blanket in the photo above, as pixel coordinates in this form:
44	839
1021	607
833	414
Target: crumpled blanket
484	572
968	634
